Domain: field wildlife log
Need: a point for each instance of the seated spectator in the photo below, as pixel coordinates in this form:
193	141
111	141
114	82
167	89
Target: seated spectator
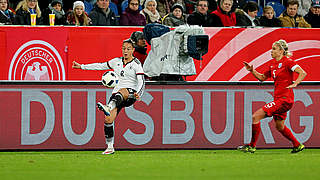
150	12
268	18
200	16
78	16
164	6
304	6
313	17
55	7
247	16
132	16
101	14
23	11
176	17
140	46
290	17
224	16
6	15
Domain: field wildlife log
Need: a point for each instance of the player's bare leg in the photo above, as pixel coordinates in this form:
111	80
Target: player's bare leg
256	129
286	132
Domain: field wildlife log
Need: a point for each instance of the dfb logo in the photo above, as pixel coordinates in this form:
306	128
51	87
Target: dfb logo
36	60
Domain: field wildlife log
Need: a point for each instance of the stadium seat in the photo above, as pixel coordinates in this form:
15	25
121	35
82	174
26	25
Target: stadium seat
260	12
278	8
267	1
88	7
114	8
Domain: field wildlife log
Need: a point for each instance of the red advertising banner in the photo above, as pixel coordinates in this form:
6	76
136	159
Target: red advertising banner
62	116
46	53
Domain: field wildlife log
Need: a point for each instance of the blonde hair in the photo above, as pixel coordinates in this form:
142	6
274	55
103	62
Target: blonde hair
24	5
284	46
265	9
84	16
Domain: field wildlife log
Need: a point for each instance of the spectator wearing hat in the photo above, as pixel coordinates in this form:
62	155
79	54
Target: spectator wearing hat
176	17
6	15
55	7
131	16
247	16
150	12
78	16
200	16
23	11
224	16
290	17
313	16
102	15
268	18
140	46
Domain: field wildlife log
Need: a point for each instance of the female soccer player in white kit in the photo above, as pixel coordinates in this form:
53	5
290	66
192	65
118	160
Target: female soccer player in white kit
129	88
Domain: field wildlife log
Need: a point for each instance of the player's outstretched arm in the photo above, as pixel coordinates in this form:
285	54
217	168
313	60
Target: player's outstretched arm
76	65
256	74
301	76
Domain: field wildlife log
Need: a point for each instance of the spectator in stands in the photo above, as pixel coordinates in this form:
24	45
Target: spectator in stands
132	16
304	6
247	16
140	46
268	18
101	14
224	16
23	11
200	16
164	6
78	16
290	17
150	12
176	17
55	7
6	15
313	17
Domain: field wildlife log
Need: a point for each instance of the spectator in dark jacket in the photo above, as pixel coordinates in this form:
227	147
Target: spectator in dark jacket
200	16
268	18
176	17
6	15
55	7
247	16
102	15
313	17
224	16
131	16
23	11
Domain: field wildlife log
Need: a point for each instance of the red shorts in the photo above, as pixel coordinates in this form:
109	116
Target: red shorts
278	109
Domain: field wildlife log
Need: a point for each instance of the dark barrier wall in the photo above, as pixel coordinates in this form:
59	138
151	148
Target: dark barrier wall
63	115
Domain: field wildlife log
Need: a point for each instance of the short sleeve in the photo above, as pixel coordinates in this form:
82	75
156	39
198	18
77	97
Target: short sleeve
292	65
112	63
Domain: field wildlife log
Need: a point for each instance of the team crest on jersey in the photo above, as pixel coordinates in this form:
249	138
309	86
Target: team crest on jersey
280	65
36	60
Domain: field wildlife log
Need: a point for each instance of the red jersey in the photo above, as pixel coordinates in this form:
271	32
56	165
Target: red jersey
282	73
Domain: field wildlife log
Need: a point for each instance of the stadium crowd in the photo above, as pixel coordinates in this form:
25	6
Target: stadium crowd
207	13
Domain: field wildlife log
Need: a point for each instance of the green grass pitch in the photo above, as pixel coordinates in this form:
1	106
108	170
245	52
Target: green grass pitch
161	164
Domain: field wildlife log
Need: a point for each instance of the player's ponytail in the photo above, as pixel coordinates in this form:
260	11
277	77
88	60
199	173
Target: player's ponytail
284	46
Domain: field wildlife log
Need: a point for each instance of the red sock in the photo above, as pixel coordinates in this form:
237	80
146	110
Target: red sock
288	134
256	129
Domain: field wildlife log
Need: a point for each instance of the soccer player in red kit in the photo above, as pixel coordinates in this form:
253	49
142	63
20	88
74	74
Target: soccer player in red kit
281	68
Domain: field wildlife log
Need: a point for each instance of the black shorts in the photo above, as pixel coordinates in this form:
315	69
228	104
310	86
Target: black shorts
128	102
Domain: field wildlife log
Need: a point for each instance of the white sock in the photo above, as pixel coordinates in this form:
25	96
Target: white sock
112	105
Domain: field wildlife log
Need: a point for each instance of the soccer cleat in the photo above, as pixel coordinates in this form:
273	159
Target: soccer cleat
247	148
108	151
103	108
298	149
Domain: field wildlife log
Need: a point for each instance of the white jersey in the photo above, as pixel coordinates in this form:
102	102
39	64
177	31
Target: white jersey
130	75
